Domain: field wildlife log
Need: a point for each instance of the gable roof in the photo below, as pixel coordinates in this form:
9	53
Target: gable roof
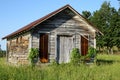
34	23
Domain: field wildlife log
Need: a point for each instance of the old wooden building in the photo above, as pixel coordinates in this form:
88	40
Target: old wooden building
55	35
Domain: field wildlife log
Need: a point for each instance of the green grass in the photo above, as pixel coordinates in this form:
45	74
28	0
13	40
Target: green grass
109	57
108	69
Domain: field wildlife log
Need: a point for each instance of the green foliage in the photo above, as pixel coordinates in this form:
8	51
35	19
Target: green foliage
75	56
107	20
101	19
86	14
2	53
33	53
91	52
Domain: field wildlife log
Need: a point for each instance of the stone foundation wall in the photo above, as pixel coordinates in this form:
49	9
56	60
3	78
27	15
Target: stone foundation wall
17	49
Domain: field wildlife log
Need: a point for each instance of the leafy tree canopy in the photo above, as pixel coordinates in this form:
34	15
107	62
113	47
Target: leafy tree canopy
107	19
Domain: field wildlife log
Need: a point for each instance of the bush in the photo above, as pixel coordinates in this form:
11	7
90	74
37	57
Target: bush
2	53
91	52
33	54
91	55
75	56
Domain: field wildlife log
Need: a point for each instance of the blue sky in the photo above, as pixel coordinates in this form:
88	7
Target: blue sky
15	14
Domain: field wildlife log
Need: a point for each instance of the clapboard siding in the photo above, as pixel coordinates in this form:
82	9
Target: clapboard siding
91	41
35	40
52	47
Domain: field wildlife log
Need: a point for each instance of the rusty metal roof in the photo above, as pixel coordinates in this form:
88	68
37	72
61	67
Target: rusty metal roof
36	22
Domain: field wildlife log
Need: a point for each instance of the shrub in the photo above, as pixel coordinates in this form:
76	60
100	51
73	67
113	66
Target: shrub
91	55
91	52
2	53
33	54
75	56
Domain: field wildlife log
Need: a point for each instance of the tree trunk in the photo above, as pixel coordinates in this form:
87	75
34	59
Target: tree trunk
108	50
111	50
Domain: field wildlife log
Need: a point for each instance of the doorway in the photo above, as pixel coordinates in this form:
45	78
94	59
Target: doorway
43	48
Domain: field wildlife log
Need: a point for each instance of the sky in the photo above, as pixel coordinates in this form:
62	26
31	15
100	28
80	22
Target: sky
15	14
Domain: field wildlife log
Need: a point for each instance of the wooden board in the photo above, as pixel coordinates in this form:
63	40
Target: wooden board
64	48
84	45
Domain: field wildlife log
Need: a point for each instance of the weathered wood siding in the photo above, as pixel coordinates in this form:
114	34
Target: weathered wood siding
17	49
63	24
35	40
64	47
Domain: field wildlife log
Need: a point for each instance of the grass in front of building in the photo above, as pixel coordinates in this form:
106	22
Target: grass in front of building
106	68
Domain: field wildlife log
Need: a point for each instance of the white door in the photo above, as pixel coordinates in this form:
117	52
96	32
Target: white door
64	47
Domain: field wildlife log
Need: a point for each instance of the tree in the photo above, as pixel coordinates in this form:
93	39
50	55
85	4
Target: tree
107	19
86	14
2	52
0	48
117	28
101	18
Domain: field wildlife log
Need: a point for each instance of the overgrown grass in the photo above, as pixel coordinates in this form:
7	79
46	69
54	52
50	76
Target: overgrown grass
109	57
64	71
